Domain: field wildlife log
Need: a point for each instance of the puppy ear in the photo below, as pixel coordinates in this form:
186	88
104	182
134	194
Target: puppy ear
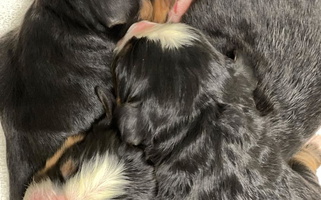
105	101
129	124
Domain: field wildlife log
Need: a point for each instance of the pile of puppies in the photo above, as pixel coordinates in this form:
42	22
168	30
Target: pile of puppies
220	106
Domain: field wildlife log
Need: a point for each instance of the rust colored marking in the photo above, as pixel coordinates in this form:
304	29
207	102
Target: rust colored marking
156	10
161	9
68	168
118	101
52	161
146	11
309	156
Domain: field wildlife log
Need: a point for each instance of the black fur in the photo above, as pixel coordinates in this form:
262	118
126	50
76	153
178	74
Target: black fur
282	40
193	112
102	139
48	70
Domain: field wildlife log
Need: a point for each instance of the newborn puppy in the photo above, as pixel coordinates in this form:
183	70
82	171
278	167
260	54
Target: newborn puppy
98	167
281	38
48	70
192	111
286	66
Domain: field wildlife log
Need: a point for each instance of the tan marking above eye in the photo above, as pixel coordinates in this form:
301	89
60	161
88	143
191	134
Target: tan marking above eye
68	168
52	161
118	101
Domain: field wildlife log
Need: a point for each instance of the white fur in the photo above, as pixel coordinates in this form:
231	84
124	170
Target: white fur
101	178
170	36
44	190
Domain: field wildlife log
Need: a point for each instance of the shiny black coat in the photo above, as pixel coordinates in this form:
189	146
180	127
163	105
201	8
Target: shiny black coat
48	70
193	111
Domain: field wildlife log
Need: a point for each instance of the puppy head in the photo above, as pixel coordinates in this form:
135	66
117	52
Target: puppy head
91	169
165	74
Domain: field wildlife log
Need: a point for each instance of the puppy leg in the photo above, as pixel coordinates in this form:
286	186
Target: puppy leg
156	11
146	10
161	10
310	154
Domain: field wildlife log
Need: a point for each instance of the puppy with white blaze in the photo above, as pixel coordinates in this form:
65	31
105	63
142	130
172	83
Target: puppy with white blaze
192	111
98	167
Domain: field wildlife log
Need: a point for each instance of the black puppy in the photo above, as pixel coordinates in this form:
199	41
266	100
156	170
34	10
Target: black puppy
192	111
282	40
48	70
98	167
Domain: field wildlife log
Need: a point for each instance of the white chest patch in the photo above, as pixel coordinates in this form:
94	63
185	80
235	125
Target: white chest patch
100	178
170	36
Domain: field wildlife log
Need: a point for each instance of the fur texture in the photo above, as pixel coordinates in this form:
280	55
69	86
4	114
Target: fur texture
192	110
101	167
101	177
282	40
310	154
48	70
167	36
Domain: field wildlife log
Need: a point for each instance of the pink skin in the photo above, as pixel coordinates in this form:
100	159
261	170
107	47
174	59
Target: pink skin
45	196
135	29
140	27
174	16
179	9
41	191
